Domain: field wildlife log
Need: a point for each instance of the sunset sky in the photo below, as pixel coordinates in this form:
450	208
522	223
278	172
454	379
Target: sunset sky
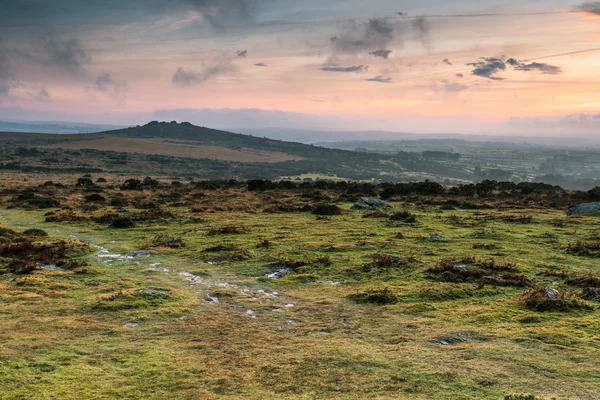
423	66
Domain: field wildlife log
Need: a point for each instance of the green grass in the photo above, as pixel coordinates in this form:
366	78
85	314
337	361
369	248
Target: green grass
66	335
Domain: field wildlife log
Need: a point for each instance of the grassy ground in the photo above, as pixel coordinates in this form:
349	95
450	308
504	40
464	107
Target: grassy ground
96	335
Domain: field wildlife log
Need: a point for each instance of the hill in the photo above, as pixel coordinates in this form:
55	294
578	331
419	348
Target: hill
173	149
58	127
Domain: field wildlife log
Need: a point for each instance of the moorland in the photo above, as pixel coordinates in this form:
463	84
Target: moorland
121	287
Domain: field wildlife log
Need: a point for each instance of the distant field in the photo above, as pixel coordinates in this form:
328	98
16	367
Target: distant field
172	148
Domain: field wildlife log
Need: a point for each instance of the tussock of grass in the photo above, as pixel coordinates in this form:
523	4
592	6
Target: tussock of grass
374	296
228	230
547	299
586	249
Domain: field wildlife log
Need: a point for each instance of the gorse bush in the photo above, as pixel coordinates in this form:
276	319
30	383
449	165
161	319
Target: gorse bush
549	299
588	249
403	216
375	296
327	209
122	223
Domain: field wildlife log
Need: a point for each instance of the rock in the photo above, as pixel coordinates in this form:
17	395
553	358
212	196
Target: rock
212	299
279	273
436	238
370	202
51	267
400	235
460	337
585	208
551	294
137	254
154	291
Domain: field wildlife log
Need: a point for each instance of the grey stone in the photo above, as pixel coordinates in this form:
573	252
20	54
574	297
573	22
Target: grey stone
279	273
154	291
137	254
370	202
585	208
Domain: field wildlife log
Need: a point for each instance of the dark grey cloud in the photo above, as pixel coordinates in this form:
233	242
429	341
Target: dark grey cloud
7	80
242	53
381	53
339	68
67	54
104	82
220	13
540	67
376	34
420	29
43	95
460	76
260	65
380	79
220	66
591	7
446	61
488	67
185	78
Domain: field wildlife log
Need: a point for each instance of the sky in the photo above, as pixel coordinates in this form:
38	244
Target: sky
487	66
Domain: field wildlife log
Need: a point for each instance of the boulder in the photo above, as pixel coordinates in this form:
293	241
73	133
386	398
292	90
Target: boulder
372	203
585	208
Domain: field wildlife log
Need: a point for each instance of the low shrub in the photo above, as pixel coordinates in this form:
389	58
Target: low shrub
587	249
374	296
548	299
67	216
384	262
218	248
95	197
376	214
584	281
403	216
34	232
168	241
327	209
263	244
122	223
228	230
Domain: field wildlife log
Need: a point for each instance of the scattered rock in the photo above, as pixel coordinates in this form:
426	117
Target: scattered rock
551	294
585	208
137	254
50	267
130	325
460	337
279	273
212	299
436	238
154	291
372	203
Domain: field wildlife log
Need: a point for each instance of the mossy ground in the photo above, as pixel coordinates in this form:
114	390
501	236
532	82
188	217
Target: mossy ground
95	335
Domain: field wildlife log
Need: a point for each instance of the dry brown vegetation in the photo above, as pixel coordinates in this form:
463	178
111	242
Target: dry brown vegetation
171	147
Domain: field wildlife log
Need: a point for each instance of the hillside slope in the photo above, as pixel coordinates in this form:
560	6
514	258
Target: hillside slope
173	149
